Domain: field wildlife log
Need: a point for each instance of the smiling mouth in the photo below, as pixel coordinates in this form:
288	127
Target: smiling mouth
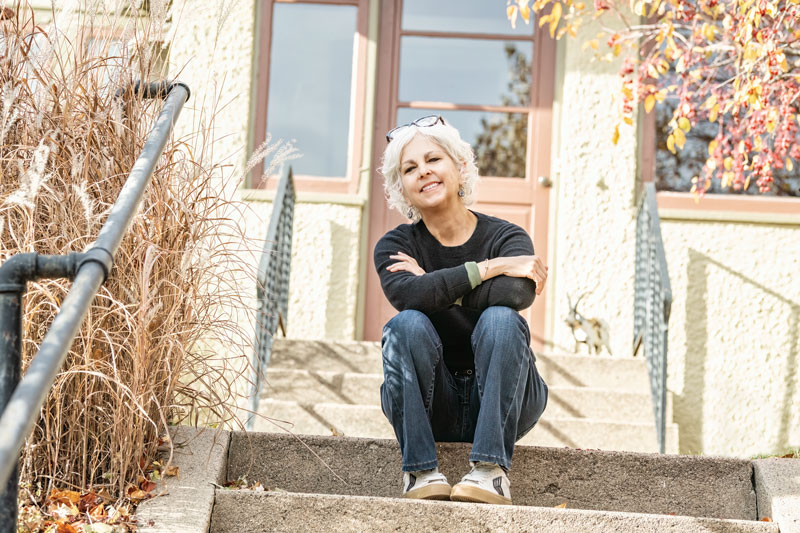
430	186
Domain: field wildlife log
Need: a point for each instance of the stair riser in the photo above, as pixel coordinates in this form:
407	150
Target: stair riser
369	421
545	477
364	389
255	512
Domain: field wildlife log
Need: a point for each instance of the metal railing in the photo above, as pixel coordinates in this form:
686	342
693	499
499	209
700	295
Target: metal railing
20	401
652	303
272	289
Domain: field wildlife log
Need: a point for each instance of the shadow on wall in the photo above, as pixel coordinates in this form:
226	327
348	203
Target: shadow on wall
339	315
693	409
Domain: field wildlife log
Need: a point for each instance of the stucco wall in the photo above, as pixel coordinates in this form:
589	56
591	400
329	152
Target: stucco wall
592	240
323	285
734	335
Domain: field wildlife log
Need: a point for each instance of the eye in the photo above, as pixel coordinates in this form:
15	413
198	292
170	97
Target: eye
434	159
409	169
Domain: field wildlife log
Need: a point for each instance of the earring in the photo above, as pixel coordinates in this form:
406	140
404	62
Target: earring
410	213
461	193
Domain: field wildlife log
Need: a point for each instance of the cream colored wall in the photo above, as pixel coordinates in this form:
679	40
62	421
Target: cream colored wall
213	52
323	285
592	219
734	335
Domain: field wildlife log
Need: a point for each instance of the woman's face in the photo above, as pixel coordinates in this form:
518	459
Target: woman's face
430	178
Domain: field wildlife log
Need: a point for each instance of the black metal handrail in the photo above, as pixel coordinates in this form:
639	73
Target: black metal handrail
20	401
652	304
272	289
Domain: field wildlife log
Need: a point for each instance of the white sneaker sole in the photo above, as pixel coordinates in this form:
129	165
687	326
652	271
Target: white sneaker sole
463	492
434	491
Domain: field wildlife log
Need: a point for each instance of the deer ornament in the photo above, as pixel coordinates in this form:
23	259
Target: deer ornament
592	332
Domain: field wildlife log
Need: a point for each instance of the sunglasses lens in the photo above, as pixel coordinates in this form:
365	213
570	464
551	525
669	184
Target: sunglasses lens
423	122
430	120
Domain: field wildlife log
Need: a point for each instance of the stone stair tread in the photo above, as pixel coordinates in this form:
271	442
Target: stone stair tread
601	371
246	510
278	416
364	389
712	487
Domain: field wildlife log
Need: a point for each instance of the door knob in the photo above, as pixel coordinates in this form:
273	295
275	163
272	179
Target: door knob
544	181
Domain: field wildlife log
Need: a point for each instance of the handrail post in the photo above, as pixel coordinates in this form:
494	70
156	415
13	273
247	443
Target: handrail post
14	276
10	370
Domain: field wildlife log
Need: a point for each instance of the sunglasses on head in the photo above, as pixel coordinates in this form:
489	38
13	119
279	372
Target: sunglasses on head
423	122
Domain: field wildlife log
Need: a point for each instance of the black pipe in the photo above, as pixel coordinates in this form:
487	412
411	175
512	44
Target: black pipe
14	275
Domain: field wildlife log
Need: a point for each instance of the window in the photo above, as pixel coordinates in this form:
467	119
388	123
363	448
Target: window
311	69
675	172
463	61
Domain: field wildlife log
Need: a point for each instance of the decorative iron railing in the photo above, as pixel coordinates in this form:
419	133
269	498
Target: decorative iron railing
652	303
272	289
21	400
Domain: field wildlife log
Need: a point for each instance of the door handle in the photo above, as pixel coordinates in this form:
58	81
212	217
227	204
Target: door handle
546	182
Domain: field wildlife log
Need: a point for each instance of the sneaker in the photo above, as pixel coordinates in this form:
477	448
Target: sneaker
426	485
486	483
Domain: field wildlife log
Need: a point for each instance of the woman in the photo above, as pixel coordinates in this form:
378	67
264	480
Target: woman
457	361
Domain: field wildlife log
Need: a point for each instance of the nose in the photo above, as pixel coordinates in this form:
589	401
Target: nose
423	170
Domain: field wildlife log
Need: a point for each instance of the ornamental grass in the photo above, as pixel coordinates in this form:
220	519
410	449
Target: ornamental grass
145	356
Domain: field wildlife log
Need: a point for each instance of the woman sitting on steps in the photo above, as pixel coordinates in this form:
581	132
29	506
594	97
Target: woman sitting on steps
457	362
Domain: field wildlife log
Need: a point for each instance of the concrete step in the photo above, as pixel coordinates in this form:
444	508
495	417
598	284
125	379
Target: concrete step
255	512
369	421
543	477
312	387
597	371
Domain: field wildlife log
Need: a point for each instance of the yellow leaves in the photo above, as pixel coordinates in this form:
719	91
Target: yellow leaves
789	164
727	163
555	15
671	143
709	32
684	124
521	8
680	138
712	147
594	44
560	506
615	136
649	102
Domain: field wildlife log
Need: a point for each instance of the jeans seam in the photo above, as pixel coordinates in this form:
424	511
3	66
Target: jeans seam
429	390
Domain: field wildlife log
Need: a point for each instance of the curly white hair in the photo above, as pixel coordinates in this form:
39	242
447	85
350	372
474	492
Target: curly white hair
445	136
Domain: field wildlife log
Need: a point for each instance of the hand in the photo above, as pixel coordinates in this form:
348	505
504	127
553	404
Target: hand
526	266
405	262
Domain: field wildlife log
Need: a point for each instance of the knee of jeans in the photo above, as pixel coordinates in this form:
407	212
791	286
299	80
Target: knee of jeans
406	324
404	334
501	320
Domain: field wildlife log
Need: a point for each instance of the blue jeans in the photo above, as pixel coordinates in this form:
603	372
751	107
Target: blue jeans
492	407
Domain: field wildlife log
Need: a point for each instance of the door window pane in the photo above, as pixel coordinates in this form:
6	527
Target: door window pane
311	63
465	71
498	139
475	16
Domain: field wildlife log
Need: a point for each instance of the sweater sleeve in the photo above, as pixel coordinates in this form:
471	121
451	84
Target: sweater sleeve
517	293
428	293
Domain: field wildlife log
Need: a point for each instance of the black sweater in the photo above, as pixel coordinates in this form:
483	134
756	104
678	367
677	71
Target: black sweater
444	293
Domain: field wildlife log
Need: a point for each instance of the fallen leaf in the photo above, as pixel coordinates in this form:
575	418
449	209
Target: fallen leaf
98	528
66	528
64	496
766	519
561	506
97	512
147	486
171	471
